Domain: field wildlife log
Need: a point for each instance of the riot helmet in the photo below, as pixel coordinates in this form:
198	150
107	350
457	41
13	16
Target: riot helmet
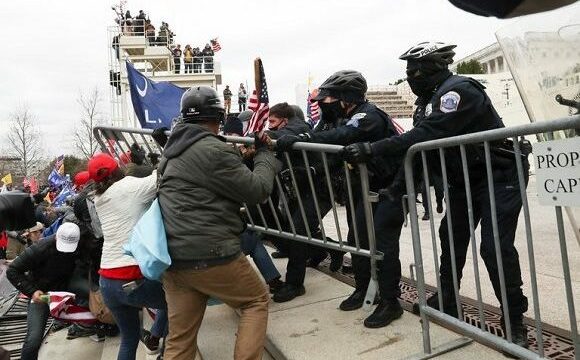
347	85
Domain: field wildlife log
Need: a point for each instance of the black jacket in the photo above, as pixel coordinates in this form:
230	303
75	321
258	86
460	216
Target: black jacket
458	106
42	267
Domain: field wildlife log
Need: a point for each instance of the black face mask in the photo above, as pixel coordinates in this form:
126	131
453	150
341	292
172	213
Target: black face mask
331	111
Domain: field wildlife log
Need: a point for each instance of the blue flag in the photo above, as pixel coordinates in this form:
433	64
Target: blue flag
55	180
64	194
155	103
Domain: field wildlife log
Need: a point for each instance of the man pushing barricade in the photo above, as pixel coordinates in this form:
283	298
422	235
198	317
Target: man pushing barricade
347	117
202	187
450	105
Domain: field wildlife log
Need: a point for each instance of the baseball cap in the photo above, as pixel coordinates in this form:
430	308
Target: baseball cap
101	166
67	237
38	227
81	178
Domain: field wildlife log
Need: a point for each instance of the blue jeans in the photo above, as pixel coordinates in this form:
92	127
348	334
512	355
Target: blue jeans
36	319
125	308
252	245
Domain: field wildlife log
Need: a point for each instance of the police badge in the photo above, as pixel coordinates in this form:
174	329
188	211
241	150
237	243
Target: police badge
428	109
449	102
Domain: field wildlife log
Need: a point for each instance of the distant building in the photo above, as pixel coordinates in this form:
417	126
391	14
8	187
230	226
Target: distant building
490	57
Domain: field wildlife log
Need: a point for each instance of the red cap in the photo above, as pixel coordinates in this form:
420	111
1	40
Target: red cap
101	166
81	178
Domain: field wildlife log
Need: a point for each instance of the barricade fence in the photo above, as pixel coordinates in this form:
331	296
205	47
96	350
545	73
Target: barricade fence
484	177
313	200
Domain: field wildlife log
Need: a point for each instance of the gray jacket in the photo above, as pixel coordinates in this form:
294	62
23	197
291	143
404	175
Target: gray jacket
203	184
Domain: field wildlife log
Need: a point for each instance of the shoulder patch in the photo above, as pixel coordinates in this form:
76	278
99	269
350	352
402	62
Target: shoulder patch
449	102
428	109
354	120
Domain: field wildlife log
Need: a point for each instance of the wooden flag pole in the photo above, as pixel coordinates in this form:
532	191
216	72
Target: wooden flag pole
257	80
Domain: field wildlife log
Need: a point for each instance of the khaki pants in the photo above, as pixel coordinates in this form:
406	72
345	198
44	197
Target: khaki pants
236	284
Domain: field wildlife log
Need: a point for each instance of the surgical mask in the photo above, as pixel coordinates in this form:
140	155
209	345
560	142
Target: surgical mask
331	111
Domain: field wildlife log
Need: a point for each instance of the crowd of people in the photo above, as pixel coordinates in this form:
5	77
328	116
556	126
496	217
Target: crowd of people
141	25
201	182
194	60
242	98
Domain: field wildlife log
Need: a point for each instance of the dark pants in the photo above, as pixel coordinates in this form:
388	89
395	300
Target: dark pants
388	220
299	252
508	205
177	64
36	319
208	65
252	245
188	67
196	67
437	183
126	306
242	105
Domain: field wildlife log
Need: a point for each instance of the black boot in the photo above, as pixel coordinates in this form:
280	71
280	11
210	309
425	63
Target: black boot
519	333
354	301
316	258
384	314
288	292
449	304
279	255
336	258
275	285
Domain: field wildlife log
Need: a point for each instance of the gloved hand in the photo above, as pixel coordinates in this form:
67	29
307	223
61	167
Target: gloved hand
357	153
260	143
285	142
159	136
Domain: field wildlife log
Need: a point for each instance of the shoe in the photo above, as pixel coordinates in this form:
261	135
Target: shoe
449	305
439	208
98	337
275	285
59	325
288	292
77	331
111	330
347	269
384	314
336	258
519	334
355	301
279	255
151	342
425	217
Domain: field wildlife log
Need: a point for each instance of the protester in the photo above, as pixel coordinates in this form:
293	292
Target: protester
150	32
227	99
177	58
207	53
43	267
197	60
202	220
188	59
34	234
120	201
242	97
459	105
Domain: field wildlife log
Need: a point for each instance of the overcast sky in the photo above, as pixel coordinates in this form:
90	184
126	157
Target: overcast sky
53	50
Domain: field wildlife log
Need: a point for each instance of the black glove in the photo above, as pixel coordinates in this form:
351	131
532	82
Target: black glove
284	143
258	143
357	153
159	136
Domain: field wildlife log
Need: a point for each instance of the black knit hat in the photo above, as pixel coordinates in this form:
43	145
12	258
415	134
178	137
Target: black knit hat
234	126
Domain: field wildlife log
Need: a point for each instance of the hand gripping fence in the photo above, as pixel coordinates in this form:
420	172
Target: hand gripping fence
303	205
442	147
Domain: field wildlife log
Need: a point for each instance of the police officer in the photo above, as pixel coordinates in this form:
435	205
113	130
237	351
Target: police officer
347	117
450	105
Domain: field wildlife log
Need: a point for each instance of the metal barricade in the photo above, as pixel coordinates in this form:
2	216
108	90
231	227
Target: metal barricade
304	196
478	331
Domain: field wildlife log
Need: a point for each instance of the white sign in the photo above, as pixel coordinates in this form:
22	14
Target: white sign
558	172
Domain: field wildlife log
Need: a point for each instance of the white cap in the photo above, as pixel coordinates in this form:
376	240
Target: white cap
67	237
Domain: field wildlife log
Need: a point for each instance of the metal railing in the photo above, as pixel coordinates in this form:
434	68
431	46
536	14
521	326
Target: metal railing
302	206
488	139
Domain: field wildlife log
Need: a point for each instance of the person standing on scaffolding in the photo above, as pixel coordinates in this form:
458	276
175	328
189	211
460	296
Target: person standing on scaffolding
450	105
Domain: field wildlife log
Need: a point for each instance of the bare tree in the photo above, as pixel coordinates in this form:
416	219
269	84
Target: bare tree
24	139
84	140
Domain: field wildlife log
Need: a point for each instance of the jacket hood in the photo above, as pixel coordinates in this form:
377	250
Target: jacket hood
182	137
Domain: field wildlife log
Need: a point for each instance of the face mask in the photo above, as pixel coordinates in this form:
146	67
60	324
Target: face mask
331	111
421	85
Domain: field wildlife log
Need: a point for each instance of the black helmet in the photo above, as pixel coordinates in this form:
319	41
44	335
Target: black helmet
347	85
437	52
201	103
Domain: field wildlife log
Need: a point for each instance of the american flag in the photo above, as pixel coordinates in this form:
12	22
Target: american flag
398	128
312	111
63	307
259	101
215	45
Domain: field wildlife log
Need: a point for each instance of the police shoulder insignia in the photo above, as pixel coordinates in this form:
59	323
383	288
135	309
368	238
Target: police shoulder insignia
354	120
428	109
449	102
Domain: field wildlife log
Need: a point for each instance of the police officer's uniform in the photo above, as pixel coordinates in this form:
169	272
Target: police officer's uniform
458	106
